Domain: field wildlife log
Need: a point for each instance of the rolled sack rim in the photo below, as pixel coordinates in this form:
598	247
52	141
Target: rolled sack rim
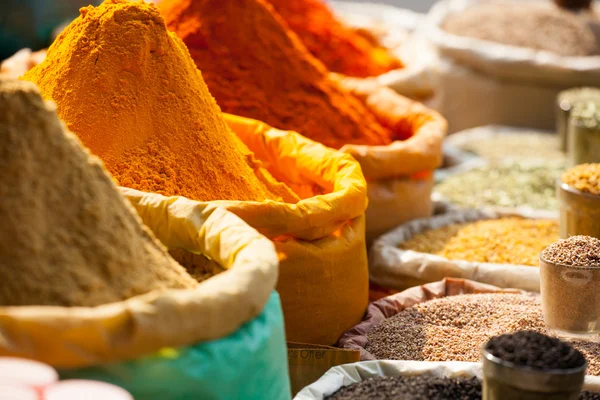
505	61
419	154
69	337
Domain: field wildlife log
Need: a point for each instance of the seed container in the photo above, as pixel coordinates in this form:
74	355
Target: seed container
584	133
504	380
570	300
565	102
579	212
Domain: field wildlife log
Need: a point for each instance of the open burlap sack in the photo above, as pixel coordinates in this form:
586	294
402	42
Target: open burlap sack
380	310
400	175
481	82
323	275
398	269
345	375
83	336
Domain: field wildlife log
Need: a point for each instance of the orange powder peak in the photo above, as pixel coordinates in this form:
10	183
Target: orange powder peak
339	47
256	67
129	89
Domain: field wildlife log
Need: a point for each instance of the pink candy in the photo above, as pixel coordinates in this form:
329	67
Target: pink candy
88	390
8	392
21	372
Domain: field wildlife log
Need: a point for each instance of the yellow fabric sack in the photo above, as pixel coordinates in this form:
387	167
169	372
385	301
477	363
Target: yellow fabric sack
85	336
323	275
400	175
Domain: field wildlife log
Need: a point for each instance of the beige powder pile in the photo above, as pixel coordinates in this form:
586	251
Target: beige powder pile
535	26
67	236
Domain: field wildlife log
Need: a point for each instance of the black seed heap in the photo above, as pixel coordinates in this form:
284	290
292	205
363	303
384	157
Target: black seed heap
421	387
535	350
585	395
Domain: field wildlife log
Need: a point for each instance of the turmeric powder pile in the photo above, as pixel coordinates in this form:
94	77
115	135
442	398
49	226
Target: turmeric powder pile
256	67
129	89
339	47
67	237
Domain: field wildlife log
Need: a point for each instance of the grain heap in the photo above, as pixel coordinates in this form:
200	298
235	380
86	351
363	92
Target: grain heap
509	240
534	26
259	69
455	328
577	251
584	177
68	237
422	387
514	183
129	89
339	47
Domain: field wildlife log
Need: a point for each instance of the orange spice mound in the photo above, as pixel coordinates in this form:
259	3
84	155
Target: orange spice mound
339	47
129	89
256	67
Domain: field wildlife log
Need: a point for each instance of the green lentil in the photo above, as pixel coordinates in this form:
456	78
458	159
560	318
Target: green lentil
509	184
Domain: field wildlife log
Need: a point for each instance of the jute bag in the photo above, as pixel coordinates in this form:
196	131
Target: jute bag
482	83
323	274
235	315
398	269
400	175
345	375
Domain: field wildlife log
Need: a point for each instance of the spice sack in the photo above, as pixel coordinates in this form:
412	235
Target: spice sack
323	274
481	82
396	268
345	375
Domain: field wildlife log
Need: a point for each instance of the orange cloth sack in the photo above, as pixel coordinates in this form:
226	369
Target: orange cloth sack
323	276
399	175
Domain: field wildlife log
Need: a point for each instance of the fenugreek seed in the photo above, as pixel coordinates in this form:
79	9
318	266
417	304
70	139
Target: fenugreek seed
509	240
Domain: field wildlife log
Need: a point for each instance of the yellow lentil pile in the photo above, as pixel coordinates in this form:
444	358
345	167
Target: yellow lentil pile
584	177
509	240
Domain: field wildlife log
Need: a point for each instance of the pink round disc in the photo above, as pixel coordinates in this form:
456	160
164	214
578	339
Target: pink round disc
89	390
19	371
8	392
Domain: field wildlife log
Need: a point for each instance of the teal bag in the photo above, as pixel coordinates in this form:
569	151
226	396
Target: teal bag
250	364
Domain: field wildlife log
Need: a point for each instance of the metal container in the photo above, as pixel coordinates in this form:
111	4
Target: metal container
503	380
579	212
564	103
570	300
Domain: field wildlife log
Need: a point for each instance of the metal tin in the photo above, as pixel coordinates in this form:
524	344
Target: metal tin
583	143
564	104
579	212
503	380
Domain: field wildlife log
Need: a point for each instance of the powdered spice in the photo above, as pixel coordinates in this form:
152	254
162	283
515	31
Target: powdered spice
257	68
67	237
129	89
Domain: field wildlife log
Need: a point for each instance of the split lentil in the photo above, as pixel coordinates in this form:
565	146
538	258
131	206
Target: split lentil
584	177
509	240
455	328
577	251
509	184
539	27
422	387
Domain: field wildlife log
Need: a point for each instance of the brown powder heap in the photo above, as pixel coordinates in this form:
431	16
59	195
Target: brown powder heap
256	67
578	251
455	328
584	177
67	236
129	89
535	26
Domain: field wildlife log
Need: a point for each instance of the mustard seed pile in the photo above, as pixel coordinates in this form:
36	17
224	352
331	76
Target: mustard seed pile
509	240
584	177
578	251
455	328
67	236
534	26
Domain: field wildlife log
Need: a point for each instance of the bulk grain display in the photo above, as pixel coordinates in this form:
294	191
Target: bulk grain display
396	141
88	289
504	62
579	197
161	131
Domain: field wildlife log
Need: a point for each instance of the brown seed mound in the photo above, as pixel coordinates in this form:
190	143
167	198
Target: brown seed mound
535	26
584	177
579	251
67	237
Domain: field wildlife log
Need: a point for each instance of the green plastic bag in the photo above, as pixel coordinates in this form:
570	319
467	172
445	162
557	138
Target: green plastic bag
250	364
